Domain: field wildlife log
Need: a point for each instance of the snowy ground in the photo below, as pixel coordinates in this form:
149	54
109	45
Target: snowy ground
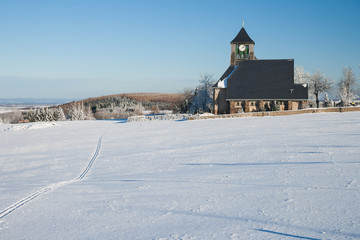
290	177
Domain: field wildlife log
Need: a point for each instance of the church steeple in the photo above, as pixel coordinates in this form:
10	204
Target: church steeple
242	47
242	37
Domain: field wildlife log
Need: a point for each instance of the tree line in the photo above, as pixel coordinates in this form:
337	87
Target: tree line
347	89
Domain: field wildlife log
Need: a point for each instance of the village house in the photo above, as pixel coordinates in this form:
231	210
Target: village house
250	84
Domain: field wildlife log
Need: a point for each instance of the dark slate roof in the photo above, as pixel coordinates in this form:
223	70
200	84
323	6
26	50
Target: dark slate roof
265	80
225	75
242	37
227	72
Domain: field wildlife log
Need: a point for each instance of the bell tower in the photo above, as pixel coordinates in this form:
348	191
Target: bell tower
242	48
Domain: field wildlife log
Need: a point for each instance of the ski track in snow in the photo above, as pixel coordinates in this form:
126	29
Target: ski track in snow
48	188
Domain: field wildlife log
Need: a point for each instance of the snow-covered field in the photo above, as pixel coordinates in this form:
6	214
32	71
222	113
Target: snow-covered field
291	177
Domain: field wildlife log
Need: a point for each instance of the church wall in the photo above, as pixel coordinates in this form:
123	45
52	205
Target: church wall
220	103
232	56
237	106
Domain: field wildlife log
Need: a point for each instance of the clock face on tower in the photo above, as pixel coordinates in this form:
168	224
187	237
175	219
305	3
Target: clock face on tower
242	47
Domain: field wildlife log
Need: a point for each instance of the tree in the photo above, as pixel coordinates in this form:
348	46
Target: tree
185	105
202	101
45	114
328	102
80	112
300	76
318	83
59	114
347	86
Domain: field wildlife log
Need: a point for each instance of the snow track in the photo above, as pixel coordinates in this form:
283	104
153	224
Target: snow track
18	204
83	174
48	188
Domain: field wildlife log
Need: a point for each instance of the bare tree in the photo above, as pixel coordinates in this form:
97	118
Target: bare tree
188	94
202	101
347	86
318	83
300	76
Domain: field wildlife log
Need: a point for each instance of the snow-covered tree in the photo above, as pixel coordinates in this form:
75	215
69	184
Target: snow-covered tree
347	86
35	115
203	99
300	75
11	117
328	102
45	115
79	112
318	83
59	114
76	112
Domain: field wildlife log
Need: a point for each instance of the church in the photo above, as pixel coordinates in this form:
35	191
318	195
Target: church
250	84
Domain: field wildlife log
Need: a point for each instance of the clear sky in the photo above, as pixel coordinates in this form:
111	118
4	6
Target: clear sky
88	48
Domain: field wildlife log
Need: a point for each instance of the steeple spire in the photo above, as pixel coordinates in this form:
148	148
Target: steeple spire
243	23
242	37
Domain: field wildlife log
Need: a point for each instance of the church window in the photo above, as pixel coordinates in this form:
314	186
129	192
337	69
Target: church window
237	52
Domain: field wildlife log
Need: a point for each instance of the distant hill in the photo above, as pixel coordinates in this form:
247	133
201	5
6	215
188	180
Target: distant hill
141	97
128	104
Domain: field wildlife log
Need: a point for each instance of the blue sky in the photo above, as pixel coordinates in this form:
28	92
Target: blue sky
87	48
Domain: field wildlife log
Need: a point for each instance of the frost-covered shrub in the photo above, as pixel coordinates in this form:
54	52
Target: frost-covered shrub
80	112
275	106
328	102
111	103
115	108
118	112
11	117
45	115
155	109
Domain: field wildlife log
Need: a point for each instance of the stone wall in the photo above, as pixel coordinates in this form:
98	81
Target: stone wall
279	113
143	118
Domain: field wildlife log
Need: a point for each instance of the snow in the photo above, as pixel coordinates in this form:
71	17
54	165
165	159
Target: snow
289	177
162	117
26	126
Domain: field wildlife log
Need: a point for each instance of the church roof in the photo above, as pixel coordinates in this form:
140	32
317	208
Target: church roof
222	82
242	37
265	80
